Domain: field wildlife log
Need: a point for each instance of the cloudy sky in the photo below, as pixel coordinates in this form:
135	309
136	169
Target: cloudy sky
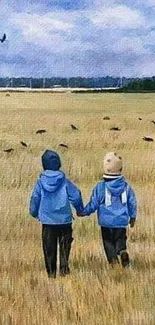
48	38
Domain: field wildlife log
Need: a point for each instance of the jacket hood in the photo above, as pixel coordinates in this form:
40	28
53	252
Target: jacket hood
116	186
51	160
52	180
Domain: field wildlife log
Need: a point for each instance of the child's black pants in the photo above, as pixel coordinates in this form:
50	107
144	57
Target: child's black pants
51	236
114	241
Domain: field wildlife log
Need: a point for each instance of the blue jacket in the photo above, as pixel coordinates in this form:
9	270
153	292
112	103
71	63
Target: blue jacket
51	198
115	203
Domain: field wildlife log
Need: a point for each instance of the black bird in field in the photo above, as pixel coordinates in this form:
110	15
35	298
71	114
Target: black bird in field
3	38
7	95
41	131
139	118
153	122
106	118
148	139
115	128
23	144
74	127
8	150
63	145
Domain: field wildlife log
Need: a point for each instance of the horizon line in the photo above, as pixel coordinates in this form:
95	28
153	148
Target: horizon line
82	77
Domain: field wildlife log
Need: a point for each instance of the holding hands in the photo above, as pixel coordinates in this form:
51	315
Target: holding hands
132	222
80	213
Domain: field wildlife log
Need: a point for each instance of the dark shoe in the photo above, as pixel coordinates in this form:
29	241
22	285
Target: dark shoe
52	275
64	272
124	258
114	262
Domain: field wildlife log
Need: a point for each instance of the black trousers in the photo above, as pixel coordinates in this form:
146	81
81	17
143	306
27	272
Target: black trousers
51	236
114	241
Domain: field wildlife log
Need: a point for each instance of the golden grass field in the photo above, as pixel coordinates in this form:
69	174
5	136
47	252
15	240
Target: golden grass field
94	294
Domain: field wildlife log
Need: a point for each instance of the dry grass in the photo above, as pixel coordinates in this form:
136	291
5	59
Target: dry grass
93	294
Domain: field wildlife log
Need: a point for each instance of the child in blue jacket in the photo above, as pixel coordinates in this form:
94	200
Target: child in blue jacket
116	206
50	204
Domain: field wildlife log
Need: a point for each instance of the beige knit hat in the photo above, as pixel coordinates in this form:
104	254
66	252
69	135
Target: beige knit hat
112	164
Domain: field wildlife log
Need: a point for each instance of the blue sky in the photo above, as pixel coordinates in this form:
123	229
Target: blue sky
77	38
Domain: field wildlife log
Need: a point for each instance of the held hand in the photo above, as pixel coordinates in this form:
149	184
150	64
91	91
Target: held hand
79	214
132	222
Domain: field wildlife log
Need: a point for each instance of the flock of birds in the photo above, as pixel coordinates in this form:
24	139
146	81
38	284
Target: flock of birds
116	128
75	128
42	131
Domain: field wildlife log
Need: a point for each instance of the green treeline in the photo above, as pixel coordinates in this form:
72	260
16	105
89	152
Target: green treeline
140	85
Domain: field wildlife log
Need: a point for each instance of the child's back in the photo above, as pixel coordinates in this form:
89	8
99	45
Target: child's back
114	199
116	206
55	193
50	204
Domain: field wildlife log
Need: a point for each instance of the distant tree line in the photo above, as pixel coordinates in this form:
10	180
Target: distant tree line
74	82
140	85
125	84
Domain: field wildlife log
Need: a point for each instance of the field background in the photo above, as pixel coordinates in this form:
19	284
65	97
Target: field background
94	294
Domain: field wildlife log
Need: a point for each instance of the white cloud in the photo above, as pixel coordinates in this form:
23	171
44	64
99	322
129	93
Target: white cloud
108	39
118	16
147	67
55	32
34	25
151	2
129	44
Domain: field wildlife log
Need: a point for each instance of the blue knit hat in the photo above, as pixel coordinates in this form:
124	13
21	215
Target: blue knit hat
51	160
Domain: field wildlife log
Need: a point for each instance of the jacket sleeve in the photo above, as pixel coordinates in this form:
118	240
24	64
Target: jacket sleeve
94	202
132	204
74	196
35	201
